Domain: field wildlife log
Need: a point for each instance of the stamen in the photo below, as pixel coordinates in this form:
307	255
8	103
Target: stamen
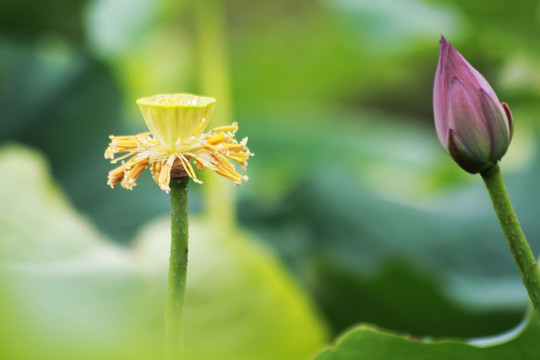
109	153
156	169
189	169
130	177
115	176
203	121
165	174
233	127
235	147
209	147
217	139
239	157
230	176
226	164
200	166
122	157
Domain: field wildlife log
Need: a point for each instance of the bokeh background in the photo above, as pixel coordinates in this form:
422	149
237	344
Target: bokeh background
353	212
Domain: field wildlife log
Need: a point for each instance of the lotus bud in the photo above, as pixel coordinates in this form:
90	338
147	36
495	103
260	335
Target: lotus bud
471	123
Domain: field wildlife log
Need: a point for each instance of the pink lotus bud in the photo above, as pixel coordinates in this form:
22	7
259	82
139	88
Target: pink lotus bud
471	123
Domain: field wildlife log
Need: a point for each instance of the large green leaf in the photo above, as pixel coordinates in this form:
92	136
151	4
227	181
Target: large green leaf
68	293
366	342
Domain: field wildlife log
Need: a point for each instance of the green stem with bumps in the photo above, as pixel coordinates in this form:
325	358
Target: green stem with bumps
174	313
521	251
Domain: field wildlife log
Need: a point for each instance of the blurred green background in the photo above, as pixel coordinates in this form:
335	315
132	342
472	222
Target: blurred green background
353	212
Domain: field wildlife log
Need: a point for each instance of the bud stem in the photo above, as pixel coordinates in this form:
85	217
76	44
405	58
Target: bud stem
174	313
521	251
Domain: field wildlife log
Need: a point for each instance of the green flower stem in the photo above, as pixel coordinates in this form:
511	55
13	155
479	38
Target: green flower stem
174	313
515	237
